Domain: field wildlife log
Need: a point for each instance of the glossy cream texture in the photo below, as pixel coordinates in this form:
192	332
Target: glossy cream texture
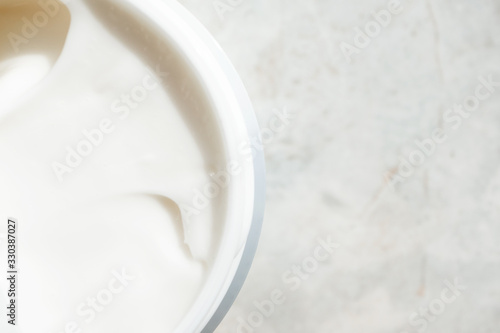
104	135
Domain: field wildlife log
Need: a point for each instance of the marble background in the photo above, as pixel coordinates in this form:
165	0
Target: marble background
341	170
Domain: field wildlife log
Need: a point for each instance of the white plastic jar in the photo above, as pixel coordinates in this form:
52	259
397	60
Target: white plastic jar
92	162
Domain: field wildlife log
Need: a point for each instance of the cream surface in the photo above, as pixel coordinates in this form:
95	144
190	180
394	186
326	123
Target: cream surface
104	135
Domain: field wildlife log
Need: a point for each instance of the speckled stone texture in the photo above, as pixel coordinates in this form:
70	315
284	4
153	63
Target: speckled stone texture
342	171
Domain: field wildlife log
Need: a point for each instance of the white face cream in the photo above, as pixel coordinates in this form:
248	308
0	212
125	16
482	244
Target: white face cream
117	168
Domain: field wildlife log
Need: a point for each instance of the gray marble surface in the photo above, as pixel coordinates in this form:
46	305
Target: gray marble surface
392	156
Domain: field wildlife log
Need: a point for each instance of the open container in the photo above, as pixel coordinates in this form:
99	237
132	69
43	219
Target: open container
236	126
